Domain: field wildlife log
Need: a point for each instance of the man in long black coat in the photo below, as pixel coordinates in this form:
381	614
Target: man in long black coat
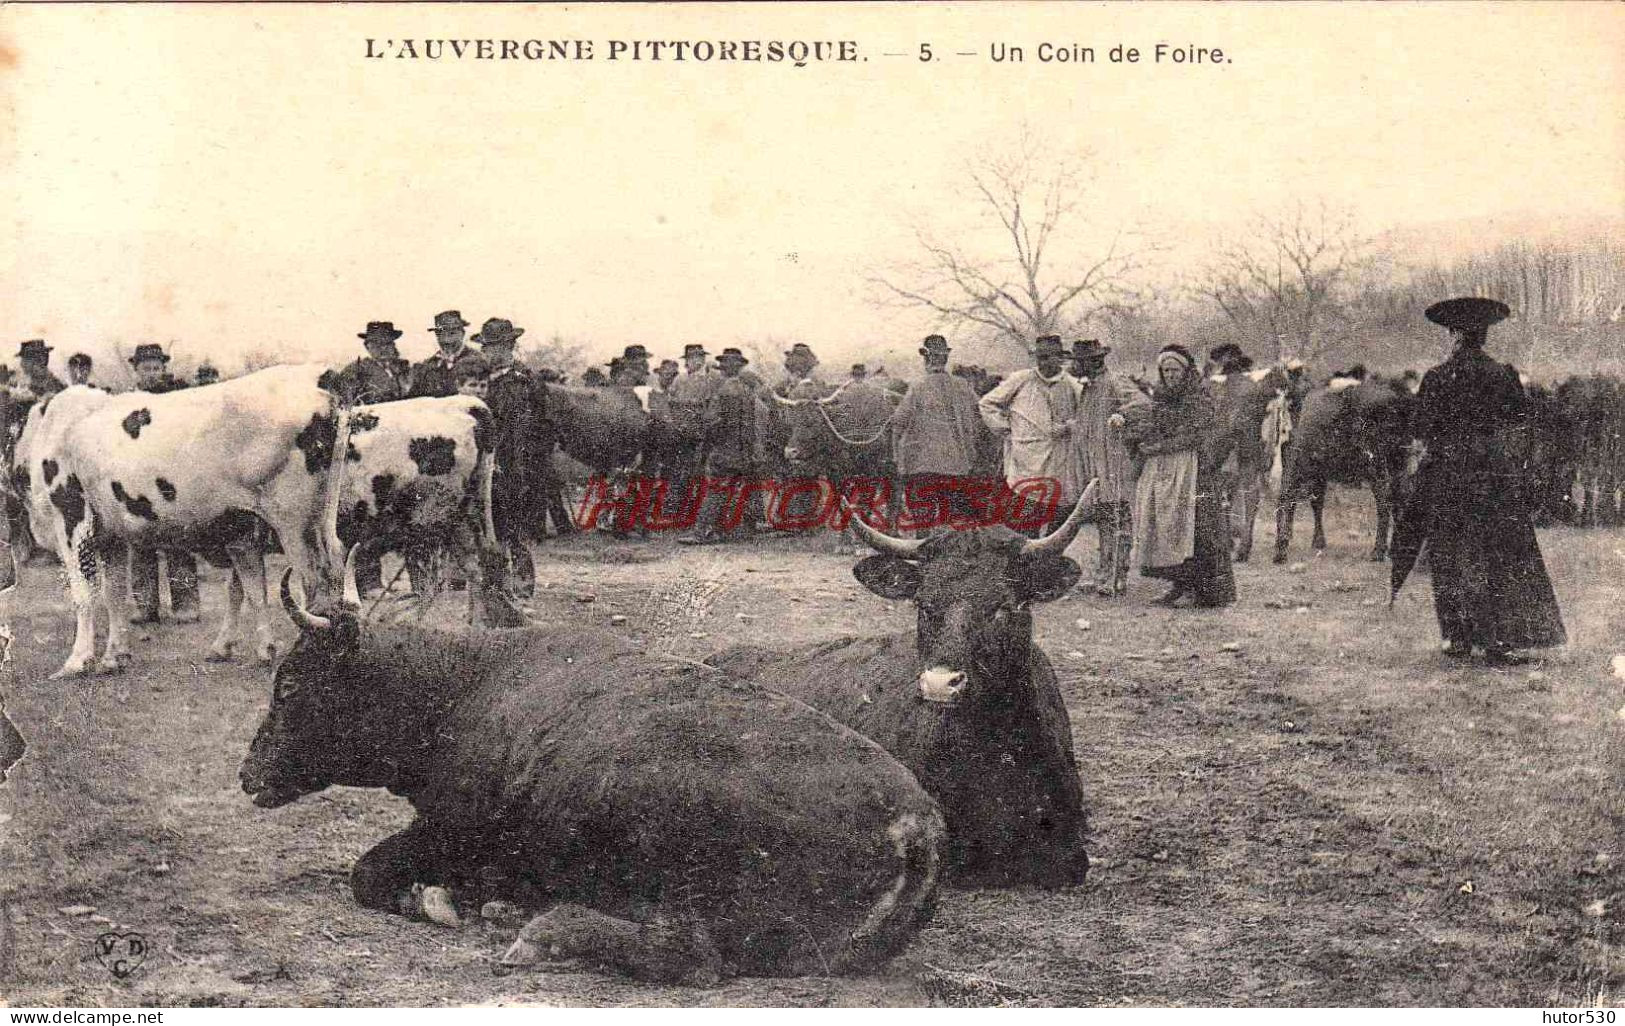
1490	587
517	505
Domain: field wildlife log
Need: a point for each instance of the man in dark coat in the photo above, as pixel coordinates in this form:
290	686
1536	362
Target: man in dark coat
35	358
35	383
152	375
732	447
1490	587
382	375
935	432
517	506
439	374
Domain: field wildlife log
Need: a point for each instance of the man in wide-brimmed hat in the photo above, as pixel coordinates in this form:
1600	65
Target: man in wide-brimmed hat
801	374
1471	504
1103	457
935	432
517	502
151	365
1035	410
690	396
635	366
733	452
34	358
382	375
438	375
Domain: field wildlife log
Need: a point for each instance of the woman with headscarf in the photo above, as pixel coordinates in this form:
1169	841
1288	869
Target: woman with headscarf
1490	587
1180	533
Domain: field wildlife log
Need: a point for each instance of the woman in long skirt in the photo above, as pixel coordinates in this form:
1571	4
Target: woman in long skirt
1180	532
1490	587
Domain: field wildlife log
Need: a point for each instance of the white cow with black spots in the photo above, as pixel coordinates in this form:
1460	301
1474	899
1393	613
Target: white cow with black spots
191	469
418	479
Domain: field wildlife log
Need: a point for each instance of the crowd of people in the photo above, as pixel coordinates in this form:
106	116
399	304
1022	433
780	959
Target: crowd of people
1150	447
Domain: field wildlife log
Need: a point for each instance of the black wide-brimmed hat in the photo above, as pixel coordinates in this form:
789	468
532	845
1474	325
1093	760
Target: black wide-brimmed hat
693	349
34	348
934	344
148	351
1468	312
1221	353
668	364
499	332
1084	348
635	351
448	320
1048	345
799	349
732	354
379	333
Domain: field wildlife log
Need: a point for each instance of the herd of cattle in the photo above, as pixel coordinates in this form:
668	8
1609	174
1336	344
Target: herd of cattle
767	811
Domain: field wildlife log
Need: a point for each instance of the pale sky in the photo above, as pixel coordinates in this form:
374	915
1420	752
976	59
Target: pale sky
243	178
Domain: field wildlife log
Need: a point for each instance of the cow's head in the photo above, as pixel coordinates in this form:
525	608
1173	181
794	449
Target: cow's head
808	436
974	591
308	739
327	723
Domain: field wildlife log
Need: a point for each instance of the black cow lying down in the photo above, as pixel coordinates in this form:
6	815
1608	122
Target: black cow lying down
966	701
688	825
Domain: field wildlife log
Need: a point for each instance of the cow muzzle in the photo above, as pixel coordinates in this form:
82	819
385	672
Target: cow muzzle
942	685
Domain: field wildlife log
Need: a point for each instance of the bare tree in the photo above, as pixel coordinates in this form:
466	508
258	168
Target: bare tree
1030	206
556	353
1285	280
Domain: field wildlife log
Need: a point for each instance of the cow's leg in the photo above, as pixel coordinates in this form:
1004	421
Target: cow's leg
406	874
666	949
83	595
1381	491
220	650
115	584
248	585
1317	503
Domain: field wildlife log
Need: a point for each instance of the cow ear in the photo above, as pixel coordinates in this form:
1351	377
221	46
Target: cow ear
888	576
1045	580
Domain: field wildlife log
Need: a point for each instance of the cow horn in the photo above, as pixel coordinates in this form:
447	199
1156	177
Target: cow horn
880	541
335	489
1054	543
303	618
781	400
832	396
352	593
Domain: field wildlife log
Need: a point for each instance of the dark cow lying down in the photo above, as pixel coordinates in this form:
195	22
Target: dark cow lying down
689	825
967	701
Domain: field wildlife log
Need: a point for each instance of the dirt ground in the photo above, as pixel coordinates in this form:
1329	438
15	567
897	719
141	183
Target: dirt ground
1334	814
